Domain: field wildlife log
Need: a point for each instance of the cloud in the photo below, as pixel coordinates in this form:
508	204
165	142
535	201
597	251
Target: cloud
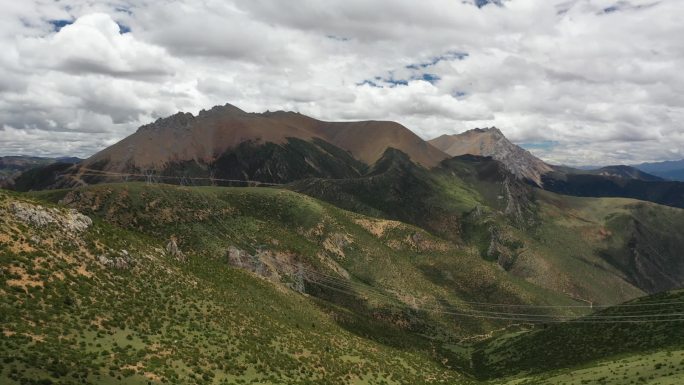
95	44
591	80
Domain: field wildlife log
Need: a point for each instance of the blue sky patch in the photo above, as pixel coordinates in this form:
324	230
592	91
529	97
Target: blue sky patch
397	82
452	55
431	78
482	3
57	25
123	28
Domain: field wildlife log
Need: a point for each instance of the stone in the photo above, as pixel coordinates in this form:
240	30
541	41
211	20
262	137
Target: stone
173	250
71	220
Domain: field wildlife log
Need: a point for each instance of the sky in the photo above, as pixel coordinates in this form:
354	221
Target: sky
574	81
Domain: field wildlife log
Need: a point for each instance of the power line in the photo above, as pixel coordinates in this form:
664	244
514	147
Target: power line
350	287
151	177
505	316
348	283
328	282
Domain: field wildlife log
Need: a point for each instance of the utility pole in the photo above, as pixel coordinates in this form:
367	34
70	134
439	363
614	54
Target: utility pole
299	278
149	176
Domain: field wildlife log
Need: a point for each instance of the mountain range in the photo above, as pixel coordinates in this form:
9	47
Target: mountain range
368	255
226	142
12	166
672	169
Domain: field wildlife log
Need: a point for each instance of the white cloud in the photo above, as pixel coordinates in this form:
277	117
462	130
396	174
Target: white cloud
598	78
94	44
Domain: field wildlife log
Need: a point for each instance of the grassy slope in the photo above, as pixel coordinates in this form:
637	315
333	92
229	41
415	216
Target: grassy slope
68	318
402	261
631	239
575	246
204	322
590	349
659	367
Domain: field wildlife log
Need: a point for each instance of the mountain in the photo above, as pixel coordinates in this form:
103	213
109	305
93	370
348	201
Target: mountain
626	172
612	172
367	266
552	240
12	165
611	181
588	184
672	169
491	142
278	147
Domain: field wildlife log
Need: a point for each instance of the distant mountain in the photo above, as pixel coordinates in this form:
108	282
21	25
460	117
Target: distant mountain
491	142
617	171
10	165
19	172
672	169
610	181
626	172
228	146
277	147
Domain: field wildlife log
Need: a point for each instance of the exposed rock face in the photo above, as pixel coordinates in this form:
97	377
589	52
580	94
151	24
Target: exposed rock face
492	142
502	249
242	259
69	220
173	250
272	266
120	261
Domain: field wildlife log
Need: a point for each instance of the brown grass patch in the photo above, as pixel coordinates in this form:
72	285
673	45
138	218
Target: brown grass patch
27	280
377	227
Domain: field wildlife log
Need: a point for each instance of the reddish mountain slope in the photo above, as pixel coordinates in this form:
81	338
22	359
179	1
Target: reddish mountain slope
203	138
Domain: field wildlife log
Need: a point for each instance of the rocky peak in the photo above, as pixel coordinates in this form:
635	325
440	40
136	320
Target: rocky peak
492	142
184	120
221	111
180	120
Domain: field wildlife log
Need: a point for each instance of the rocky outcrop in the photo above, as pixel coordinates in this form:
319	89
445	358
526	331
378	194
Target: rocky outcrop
503	248
173	250
121	260
275	267
68	220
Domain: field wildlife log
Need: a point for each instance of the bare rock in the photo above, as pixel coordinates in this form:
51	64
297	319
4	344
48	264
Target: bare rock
275	267
69	220
173	250
121	261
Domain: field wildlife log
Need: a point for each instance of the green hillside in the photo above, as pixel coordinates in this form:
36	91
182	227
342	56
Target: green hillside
174	284
109	301
599	250
611	345
98	303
